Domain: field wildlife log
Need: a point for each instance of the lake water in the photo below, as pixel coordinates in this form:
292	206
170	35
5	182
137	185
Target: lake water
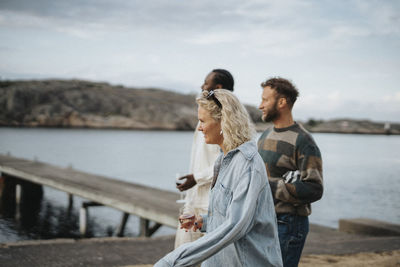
361	174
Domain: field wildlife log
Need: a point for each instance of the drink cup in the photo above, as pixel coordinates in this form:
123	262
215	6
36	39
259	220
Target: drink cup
187	221
187	218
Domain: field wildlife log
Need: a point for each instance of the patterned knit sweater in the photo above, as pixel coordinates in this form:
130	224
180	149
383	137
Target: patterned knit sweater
292	156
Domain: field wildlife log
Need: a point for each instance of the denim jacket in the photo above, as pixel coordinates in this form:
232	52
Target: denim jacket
241	222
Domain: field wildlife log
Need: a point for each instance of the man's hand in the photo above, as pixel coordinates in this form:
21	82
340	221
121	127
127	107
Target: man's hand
189	183
290	178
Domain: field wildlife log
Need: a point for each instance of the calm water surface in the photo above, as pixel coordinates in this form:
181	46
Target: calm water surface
361	174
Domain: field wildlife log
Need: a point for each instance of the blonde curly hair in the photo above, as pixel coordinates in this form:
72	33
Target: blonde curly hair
236	125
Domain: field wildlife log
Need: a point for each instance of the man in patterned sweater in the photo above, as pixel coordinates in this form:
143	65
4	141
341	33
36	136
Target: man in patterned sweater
294	166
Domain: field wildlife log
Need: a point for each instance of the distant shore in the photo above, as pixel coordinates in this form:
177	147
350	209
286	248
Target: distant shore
345	126
91	105
260	127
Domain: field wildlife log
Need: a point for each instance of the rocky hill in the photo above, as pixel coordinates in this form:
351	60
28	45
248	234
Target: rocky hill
83	104
351	126
75	103
344	126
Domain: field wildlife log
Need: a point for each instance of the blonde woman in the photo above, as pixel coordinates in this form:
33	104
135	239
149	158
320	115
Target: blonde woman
241	222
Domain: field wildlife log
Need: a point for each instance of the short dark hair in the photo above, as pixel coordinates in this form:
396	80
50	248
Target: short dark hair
284	88
224	78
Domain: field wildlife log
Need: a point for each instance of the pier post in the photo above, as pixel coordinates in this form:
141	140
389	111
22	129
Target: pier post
29	202
146	230
20	199
84	216
70	203
7	195
144	227
121	227
18	192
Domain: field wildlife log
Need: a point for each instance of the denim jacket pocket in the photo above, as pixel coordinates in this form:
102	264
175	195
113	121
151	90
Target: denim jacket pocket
223	197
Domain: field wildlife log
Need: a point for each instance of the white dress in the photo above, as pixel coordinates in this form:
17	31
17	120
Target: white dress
202	161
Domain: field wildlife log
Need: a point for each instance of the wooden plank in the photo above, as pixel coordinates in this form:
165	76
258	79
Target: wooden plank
146	202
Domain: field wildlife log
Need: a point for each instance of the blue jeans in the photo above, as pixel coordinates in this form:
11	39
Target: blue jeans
292	230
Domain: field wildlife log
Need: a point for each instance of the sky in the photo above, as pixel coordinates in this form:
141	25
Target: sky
343	56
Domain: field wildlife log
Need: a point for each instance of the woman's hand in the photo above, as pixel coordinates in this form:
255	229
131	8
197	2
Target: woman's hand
187	221
191	222
198	224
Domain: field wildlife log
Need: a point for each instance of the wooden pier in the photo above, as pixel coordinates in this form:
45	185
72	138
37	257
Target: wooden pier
148	203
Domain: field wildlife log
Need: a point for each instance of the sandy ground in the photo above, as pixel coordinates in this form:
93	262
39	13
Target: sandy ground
381	259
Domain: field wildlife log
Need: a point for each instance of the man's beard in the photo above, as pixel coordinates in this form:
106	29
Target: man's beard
272	114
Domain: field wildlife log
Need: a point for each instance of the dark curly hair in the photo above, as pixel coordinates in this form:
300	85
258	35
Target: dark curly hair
224	78
284	88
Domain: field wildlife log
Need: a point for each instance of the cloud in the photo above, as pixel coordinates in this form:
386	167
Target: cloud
214	38
346	31
328	102
336	104
272	23
392	99
18	20
384	16
116	14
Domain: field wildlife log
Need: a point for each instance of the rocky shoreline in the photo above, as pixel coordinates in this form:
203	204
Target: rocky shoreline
84	104
345	126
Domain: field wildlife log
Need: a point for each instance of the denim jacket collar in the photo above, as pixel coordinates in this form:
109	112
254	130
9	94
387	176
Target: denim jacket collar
248	149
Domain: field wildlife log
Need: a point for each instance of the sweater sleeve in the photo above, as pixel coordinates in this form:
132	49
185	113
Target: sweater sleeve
309	187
